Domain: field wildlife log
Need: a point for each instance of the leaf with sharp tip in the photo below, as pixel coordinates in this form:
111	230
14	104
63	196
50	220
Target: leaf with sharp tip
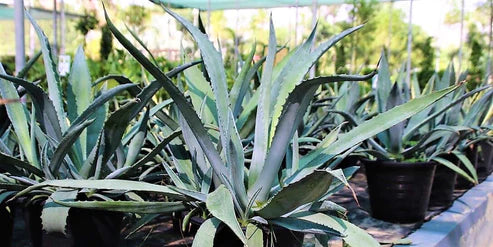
240	81
100	100
294	71
262	120
137	141
384	87
467	163
395	132
52	76
181	102
453	167
306	190
201	94
155	151
65	145
17	116
7	163
215	69
351	234
376	125
292	114
305	226
79	93
45	111
439	111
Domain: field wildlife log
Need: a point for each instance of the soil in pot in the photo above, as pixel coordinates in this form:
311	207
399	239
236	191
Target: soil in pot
442	190
399	191
283	238
472	154
6	226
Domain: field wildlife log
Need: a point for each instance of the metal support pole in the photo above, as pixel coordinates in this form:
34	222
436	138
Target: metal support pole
209	18
20	52
62	27
461	36
490	31
314	21
409	43
353	38
32	35
55	29
389	38
296	25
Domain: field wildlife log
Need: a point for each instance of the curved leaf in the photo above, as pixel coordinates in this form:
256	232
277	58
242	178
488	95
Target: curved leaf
65	145
292	114
7	163
127	206
53	216
352	235
306	190
103	184
206	233
181	102
17	116
372	127
52	76
220	204
45	111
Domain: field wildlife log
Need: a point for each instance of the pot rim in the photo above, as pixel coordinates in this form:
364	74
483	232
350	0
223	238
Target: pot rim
398	163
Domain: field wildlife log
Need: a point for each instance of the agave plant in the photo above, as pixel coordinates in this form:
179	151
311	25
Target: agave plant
249	195
82	142
430	133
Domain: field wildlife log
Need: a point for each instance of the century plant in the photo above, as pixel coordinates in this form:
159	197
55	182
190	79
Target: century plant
431	133
82	142
244	194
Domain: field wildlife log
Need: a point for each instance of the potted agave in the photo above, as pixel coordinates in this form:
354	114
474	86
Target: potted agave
456	146
9	185
79	143
400	180
252	201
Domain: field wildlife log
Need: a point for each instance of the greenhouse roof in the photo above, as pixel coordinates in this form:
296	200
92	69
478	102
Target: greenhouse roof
7	13
249	4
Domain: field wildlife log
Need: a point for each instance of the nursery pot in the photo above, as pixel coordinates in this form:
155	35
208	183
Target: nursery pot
283	238
399	191
442	190
485	159
86	227
7	224
472	154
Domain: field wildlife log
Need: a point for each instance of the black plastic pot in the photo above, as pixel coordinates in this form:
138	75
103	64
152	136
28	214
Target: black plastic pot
442	190
399	191
93	228
485	159
283	238
472	154
6	226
